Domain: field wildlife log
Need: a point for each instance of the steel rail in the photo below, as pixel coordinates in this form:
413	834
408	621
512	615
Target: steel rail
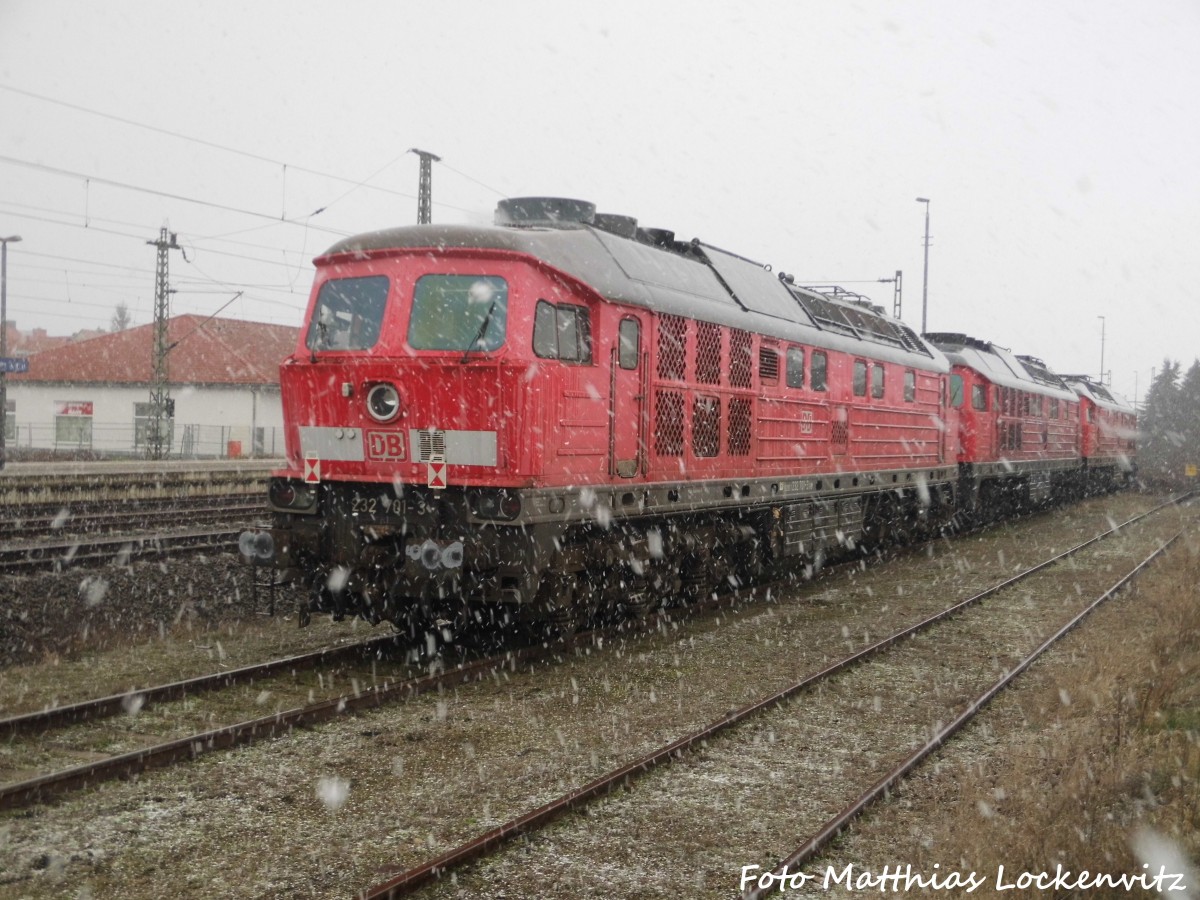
52	784
834	826
55	524
24	793
115	704
411	879
42	787
61	554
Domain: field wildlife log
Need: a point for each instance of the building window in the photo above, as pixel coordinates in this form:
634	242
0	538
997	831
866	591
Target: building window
795	367
562	332
860	378
73	423
143	421
819	366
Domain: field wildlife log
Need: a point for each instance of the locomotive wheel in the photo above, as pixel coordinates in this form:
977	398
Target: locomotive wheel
883	525
749	562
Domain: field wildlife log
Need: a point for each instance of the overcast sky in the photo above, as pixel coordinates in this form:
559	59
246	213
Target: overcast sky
1058	142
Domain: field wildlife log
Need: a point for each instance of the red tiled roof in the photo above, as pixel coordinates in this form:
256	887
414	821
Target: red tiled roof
20	343
216	351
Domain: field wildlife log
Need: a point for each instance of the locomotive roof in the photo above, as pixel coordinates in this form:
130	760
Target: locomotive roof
1099	394
1001	366
693	280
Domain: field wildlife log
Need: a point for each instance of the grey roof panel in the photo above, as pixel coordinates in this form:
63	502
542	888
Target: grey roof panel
756	287
628	271
1000	367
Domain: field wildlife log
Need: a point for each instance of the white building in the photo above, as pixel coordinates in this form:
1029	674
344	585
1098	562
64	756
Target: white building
93	396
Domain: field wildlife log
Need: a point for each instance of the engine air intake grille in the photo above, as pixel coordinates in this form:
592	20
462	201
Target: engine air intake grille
431	446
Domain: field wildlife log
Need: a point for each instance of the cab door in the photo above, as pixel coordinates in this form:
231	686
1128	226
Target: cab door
627	404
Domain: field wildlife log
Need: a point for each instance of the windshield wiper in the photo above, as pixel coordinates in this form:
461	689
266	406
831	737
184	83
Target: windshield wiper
483	327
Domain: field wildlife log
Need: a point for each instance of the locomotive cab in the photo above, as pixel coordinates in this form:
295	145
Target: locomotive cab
437	395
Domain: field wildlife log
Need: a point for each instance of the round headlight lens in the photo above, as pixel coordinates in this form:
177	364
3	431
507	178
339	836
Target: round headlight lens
282	493
383	402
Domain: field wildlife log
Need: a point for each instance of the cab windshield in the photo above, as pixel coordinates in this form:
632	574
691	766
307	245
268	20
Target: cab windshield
464	313
349	313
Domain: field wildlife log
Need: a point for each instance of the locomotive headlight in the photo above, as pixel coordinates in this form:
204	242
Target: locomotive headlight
383	402
486	504
292	495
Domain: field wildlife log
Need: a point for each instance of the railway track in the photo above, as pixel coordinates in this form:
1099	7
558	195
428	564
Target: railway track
727	738
778	878
56	556
469	750
381	690
30	524
62	732
124	482
52	536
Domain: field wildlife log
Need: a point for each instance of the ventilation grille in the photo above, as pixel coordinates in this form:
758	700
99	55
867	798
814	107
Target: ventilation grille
740	359
431	445
672	332
708	353
668	423
739	426
840	436
768	364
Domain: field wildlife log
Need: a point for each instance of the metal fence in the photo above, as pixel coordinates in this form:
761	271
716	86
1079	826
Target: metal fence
28	441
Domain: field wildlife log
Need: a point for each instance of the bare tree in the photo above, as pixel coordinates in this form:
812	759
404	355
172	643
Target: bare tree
121	318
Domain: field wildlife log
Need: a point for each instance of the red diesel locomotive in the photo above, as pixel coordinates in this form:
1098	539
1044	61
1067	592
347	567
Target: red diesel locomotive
1108	433
1018	426
566	414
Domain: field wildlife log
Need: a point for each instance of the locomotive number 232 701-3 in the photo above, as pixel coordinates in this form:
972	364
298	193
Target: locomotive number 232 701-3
377	508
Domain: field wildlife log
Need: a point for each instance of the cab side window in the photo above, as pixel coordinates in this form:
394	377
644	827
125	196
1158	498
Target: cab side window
562	332
628	344
978	397
819	366
795	367
860	378
956	391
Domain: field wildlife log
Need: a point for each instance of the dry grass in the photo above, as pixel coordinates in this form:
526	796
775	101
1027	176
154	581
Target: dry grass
1095	749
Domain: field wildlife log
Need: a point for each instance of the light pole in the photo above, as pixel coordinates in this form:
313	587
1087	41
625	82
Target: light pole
4	242
925	279
1102	323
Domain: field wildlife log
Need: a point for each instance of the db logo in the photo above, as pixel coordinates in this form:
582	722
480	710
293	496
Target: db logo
385	445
